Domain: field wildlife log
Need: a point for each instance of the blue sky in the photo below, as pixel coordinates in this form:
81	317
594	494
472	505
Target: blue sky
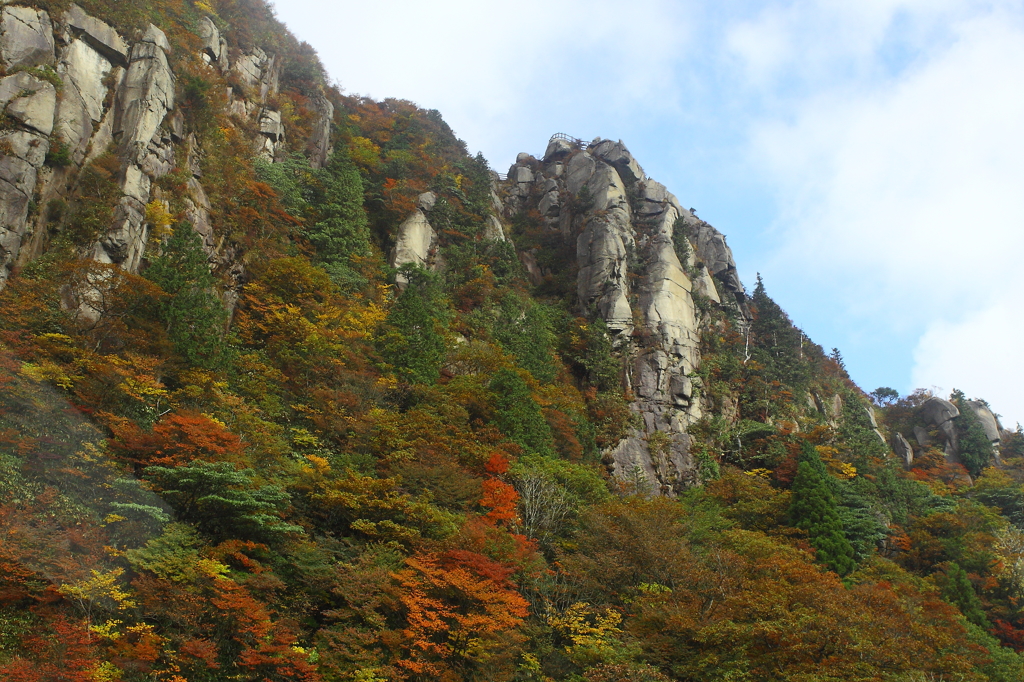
867	158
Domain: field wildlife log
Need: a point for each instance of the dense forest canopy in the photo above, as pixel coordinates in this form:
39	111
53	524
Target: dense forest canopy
270	451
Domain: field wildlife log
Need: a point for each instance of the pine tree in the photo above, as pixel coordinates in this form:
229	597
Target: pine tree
193	314
518	416
339	229
777	344
413	334
974	446
813	509
958	590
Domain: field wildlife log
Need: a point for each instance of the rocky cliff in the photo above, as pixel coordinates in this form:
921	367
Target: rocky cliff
641	260
78	90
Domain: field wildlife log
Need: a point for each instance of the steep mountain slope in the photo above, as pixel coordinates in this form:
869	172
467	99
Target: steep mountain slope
294	387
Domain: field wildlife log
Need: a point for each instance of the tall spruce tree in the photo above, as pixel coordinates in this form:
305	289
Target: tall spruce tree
193	314
518	415
413	334
813	509
975	448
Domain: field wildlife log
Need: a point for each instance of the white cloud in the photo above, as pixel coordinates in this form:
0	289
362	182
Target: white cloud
887	130
902	199
502	74
980	354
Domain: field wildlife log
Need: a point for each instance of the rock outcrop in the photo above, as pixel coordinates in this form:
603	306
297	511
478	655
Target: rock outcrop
416	241
902	449
26	37
89	90
939	414
630	274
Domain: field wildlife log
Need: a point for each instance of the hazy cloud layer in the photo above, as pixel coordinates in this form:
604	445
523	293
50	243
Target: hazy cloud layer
866	157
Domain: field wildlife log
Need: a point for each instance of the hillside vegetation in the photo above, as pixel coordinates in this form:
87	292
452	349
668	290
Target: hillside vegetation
255	456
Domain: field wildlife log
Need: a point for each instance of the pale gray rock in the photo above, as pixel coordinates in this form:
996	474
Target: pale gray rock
557	149
618	156
209	36
425	202
136	184
665	296
549	204
716	254
143	100
270	125
27	145
533	271
80	108
249	67
158	159
936	411
874	423
704	284
17	182
29	100
602	281
26	37
521	175
524	158
100	36
940	413
630	276
579	171
157	37
415	244
320	138
270	78
197	212
607	190
223	60
125	242
84	70
988	420
902	449
493	229
922	437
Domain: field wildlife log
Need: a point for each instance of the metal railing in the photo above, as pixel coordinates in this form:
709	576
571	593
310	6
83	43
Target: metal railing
575	141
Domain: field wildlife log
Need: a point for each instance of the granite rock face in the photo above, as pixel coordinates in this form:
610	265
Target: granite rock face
26	37
119	94
902	449
622	223
416	242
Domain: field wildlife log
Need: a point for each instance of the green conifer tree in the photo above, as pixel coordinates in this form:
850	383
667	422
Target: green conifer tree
413	334
193	314
813	508
339	228
975	448
958	590
518	415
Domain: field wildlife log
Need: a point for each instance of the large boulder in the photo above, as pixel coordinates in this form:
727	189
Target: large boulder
209	37
99	35
902	449
988	420
26	37
29	101
936	411
617	155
